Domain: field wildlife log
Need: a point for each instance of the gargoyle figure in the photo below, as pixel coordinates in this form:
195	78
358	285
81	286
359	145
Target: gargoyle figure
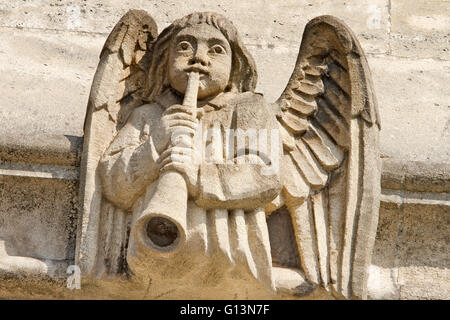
172	197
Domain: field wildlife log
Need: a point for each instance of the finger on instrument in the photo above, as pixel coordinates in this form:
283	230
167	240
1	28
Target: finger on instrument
181	130
179	108
172	165
184	123
174	151
181	116
182	140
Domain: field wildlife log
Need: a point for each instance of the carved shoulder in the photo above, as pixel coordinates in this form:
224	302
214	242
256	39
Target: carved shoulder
147	114
137	126
253	112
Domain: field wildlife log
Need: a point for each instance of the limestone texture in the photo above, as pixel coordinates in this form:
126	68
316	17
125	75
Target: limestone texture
49	57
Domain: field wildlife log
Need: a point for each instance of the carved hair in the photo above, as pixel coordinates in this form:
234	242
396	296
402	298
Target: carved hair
243	75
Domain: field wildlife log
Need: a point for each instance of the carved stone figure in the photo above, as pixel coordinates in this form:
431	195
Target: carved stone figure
184	164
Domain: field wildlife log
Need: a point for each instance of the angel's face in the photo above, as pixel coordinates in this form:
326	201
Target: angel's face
204	49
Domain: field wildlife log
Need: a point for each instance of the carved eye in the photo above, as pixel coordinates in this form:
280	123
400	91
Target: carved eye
218	49
184	45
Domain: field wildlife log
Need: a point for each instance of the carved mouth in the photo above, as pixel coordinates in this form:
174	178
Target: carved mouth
197	69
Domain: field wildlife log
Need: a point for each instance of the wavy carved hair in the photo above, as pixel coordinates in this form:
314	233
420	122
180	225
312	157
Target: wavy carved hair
243	75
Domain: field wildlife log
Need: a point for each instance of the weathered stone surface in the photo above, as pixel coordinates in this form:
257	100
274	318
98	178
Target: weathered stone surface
282	23
49	149
411	251
392	174
47	76
424	262
416	176
415	114
420	29
282	239
38	217
74	56
402	106
383	277
437	177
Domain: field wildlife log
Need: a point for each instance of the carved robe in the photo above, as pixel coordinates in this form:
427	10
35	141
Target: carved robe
226	228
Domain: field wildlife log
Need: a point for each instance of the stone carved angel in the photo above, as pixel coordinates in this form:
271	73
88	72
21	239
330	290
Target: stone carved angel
220	244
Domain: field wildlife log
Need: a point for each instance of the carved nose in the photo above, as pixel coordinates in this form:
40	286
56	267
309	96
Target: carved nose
196	59
200	57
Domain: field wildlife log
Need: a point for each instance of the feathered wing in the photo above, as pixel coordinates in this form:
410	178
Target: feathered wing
331	169
116	90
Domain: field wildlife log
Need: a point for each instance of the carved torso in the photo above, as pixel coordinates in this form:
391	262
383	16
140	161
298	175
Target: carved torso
230	196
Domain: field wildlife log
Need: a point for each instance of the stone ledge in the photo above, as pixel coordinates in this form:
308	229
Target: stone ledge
62	150
43	149
415	176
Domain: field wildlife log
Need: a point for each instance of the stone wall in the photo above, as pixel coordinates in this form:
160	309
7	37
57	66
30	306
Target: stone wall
50	52
49	55
411	259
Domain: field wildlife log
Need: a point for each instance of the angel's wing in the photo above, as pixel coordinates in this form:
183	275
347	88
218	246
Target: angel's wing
329	123
116	88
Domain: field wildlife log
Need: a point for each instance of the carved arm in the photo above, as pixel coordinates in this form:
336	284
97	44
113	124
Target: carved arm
129	164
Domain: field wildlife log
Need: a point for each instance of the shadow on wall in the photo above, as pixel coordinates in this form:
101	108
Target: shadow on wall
75	146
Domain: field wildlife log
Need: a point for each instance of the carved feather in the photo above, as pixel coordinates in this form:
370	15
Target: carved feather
340	77
320	210
337	99
303	223
310	88
293	123
320	149
333	123
295	189
315	175
304	104
331	90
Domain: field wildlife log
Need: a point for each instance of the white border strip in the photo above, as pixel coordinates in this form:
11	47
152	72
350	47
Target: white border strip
39	171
